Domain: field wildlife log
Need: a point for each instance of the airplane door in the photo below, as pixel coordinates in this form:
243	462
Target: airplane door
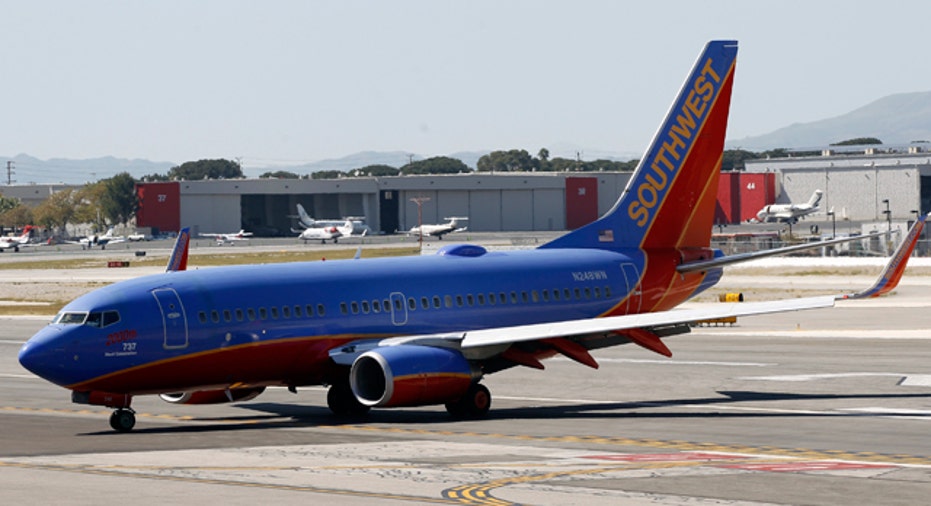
632	279
398	308
174	319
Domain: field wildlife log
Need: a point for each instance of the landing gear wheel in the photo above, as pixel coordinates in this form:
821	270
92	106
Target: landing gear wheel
474	404
123	420
343	402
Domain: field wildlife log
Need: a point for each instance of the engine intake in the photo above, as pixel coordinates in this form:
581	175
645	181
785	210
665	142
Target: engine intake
213	396
410	375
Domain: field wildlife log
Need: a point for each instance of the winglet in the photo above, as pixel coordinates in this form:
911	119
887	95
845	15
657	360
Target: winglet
890	276
178	259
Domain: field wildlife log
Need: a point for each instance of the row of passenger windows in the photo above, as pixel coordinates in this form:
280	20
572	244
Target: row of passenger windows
480	299
435	302
263	313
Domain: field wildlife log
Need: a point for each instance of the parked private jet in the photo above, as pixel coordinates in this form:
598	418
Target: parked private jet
789	213
438	231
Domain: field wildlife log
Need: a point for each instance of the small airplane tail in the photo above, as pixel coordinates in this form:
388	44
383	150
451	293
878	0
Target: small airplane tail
178	259
304	217
815	198
670	199
890	276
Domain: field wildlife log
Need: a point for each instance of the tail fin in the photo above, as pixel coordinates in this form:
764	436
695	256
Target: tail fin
178	259
815	198
670	198
890	276
304	217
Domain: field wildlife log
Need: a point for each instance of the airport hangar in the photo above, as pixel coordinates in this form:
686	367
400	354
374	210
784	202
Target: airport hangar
859	186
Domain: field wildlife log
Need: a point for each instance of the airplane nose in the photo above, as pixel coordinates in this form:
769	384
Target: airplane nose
42	354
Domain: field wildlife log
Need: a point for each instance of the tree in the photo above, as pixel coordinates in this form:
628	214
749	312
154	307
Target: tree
57	210
543	155
859	141
206	169
375	171
118	199
327	174
735	159
279	174
515	160
436	165
13	213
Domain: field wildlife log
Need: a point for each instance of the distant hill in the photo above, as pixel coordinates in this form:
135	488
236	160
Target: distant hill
28	169
897	119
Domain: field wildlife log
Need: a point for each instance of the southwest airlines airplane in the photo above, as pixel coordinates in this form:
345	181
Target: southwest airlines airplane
385	333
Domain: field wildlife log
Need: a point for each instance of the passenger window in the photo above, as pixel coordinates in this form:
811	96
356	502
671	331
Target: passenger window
376	306
397	305
578	293
343	308
470	300
491	298
567	294
251	313
286	311
215	316
202	317
481	299
424	303
588	293
365	306
436	301
263	313
274	312
546	295
556	294
239	315
227	316
411	303
459	300
321	310
309	310
297	311
597	292
513	297
355	307
607	291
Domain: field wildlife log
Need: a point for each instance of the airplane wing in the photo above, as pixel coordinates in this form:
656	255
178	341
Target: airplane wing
896	267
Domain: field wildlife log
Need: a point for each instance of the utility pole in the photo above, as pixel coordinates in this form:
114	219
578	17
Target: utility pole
9	172
419	201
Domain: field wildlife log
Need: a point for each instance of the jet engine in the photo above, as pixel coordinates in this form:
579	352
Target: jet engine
410	375
213	396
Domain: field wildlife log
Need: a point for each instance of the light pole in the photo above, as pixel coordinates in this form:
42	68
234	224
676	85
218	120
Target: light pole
419	201
888	214
833	223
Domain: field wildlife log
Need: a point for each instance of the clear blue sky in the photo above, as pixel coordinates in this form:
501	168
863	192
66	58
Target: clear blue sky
300	81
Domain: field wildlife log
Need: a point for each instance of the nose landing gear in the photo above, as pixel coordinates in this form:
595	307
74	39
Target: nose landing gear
123	420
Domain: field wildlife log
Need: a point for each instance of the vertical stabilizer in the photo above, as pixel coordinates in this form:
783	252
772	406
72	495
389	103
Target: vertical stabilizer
178	259
670	199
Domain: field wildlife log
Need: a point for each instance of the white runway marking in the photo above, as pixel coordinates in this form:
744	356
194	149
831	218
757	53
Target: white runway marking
814	377
911	334
668	362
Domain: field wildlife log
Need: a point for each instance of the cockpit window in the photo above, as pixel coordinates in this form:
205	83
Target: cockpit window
70	318
93	319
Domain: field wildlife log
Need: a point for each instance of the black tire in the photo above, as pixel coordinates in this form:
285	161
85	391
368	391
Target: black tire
474	404
342	402
122	420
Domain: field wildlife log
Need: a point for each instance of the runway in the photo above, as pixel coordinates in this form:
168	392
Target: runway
817	407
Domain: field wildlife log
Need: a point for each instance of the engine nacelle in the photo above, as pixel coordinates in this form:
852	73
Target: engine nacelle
409	375
213	396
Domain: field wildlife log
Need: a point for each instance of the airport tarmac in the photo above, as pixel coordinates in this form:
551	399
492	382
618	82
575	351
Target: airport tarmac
816	407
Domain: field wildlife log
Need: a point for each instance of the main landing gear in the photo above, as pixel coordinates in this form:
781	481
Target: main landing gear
123	420
343	402
474	404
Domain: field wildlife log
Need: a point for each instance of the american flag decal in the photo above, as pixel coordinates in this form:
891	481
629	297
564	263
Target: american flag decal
606	235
